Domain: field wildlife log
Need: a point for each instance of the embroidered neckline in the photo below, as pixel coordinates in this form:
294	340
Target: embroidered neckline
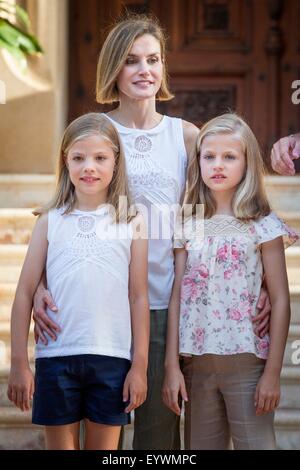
135	129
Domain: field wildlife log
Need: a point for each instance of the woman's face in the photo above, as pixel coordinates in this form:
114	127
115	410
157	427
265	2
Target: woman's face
141	75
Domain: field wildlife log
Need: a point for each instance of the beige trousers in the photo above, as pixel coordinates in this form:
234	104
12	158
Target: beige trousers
221	403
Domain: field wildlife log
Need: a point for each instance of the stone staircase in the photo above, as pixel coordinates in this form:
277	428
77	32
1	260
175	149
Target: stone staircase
16	431
23	192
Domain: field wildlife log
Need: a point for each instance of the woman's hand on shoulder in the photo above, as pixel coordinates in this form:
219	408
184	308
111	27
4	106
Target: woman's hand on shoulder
190	135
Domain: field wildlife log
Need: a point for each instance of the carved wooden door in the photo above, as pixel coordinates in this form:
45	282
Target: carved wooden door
242	55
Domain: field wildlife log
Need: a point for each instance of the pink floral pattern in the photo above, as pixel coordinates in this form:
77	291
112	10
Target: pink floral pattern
221	285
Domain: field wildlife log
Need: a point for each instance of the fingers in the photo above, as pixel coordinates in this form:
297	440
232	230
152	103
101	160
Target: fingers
281	156
21	396
49	301
287	162
44	324
38	334
260	405
125	391
136	400
183	391
170	399
9	393
263	327
26	400
263	333
262	299
40	315
262	318
35	333
266	402
256	397
295	148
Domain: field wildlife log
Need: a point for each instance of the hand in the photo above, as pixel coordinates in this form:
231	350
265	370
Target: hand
267	394
42	323
283	153
135	388
21	387
173	389
262	318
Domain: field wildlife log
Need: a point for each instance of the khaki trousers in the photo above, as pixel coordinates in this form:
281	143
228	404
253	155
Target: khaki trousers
220	405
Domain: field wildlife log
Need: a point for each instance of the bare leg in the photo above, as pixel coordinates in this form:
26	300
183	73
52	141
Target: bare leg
101	436
64	437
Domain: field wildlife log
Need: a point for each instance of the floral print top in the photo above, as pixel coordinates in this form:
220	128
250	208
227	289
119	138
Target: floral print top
221	285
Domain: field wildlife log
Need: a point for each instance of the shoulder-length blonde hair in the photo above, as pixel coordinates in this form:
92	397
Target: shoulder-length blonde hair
114	53
89	125
250	200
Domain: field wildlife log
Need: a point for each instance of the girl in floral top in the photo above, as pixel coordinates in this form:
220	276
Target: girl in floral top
230	376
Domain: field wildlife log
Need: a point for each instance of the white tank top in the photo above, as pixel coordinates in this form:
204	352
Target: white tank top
156	163
87	275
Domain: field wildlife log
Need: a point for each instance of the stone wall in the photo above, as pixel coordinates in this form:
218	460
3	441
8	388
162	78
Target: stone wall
33	117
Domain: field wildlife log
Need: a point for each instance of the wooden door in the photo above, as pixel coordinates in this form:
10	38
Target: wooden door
242	55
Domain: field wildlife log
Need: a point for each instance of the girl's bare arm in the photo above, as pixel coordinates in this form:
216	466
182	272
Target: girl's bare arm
32	270
135	386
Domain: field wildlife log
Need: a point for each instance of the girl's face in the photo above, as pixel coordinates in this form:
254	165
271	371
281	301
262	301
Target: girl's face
222	162
91	163
141	76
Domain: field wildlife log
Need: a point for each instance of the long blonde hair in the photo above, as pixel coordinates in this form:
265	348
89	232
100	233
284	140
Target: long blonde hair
115	50
88	125
250	200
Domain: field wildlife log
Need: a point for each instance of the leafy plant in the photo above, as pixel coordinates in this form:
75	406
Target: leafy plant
15	34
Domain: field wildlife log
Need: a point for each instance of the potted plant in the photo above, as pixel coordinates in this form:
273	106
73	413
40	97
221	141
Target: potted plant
15	35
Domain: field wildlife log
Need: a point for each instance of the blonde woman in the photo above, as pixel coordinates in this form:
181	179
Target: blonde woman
230	377
132	72
92	252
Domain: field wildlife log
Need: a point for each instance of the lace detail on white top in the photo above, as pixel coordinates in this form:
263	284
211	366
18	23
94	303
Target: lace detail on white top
144	173
224	225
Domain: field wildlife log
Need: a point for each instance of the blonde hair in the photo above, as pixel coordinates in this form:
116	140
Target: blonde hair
250	200
85	126
114	53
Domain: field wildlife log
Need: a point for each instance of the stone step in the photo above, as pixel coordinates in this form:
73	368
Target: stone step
17	432
292	350
290	387
287	428
292	256
283	192
26	190
295	303
5	343
11	261
293	220
16	225
7	293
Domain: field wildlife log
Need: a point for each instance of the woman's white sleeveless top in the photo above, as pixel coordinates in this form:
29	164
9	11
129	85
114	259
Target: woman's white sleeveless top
87	274
156	163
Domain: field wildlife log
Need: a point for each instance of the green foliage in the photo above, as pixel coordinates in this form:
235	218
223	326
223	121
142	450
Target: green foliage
15	35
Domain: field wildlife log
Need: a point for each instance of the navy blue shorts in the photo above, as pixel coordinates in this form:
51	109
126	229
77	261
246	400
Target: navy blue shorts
71	388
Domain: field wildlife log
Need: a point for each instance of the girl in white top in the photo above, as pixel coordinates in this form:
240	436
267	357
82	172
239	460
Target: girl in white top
96	269
230	378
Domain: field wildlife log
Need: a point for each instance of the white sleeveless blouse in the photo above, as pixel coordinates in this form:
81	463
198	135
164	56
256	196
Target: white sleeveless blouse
87	275
156	164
